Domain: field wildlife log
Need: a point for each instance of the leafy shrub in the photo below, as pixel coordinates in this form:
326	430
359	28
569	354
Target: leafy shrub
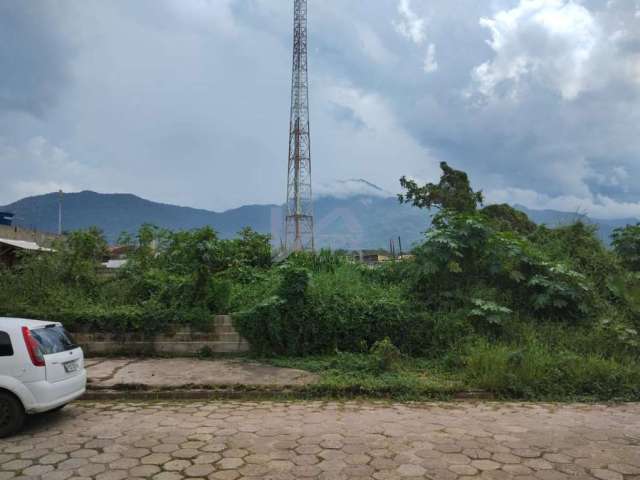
626	244
453	192
505	218
524	311
435	334
323	261
115	319
170	278
577	246
386	355
625	288
533	371
463	252
489	314
277	325
323	313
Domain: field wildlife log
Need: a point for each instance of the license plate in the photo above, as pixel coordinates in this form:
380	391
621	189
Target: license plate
71	367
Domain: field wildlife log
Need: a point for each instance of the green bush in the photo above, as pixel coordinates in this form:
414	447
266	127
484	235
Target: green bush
149	319
170	278
386	355
463	253
522	310
505	218
534	371
325	312
626	244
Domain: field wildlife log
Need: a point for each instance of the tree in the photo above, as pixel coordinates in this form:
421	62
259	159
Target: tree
253	248
505	218
626	243
453	192
80	254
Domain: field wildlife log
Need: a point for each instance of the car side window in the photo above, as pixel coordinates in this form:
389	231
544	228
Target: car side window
6	349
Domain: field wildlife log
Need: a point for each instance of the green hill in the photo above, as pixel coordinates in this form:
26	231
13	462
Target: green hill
367	219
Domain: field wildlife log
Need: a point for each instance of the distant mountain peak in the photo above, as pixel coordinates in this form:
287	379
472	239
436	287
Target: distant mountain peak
351	187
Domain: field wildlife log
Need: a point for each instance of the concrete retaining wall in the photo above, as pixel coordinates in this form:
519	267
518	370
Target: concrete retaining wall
222	338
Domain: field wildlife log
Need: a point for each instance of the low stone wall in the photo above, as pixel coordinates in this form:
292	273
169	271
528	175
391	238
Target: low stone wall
222	338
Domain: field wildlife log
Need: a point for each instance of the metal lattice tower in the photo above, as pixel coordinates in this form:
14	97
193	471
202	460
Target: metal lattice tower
299	215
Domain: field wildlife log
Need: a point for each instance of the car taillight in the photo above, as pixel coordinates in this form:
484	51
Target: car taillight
32	347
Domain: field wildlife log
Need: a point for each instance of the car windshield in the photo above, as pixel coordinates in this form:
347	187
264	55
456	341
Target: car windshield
53	339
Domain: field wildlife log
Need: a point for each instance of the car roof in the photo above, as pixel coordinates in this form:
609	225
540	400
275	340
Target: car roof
24	322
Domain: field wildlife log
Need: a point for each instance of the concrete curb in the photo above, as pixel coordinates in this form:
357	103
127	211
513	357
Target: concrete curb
253	392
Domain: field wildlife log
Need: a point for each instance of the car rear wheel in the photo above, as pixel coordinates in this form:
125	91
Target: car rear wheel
11	415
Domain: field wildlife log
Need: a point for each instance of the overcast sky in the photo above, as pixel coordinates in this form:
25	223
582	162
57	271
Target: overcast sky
187	101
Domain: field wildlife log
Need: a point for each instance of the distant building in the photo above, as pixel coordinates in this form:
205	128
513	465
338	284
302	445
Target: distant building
116	257
118	252
372	257
15	232
114	264
9	250
377	257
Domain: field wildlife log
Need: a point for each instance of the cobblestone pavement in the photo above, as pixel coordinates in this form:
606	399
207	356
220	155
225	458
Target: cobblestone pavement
270	440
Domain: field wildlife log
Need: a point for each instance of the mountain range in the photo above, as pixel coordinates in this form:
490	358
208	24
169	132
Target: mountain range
358	215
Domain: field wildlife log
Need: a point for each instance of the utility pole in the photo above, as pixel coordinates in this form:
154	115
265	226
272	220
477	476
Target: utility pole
60	194
299	229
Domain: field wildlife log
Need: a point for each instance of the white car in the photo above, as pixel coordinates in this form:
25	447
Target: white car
41	369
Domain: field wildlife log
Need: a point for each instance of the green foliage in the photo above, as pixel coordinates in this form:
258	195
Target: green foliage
170	278
534	371
453	192
626	244
520	310
356	374
488	313
505	218
463	252
386	355
323	312
323	261
517	308
625	288
277	325
579	247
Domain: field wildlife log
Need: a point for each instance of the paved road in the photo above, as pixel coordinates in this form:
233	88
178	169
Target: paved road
232	440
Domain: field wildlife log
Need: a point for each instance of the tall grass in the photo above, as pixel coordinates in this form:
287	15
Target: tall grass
534	371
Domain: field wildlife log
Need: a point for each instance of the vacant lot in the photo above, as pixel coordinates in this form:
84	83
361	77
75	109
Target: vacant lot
231	440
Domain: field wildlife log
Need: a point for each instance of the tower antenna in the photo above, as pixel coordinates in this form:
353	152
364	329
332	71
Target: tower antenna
299	235
60	194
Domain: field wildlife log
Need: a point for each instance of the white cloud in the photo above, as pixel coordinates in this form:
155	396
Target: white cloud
431	63
551	42
38	167
370	147
170	99
595	206
29	188
372	45
350	188
410	25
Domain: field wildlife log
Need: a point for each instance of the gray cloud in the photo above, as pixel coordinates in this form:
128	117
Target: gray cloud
33	56
186	101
